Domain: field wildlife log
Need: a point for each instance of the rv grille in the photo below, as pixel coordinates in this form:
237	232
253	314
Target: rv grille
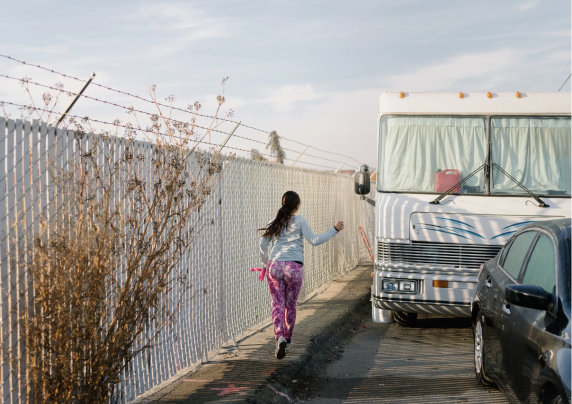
440	255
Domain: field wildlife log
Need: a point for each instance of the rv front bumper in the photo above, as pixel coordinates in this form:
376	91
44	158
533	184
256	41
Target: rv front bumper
423	293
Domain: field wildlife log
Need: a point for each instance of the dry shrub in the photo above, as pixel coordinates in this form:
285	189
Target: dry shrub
102	265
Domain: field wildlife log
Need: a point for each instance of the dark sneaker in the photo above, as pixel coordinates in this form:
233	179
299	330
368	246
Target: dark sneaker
289	344
281	347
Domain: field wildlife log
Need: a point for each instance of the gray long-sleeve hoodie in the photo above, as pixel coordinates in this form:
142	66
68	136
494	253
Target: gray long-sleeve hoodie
289	246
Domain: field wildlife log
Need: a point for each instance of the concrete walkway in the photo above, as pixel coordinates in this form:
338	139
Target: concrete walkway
251	373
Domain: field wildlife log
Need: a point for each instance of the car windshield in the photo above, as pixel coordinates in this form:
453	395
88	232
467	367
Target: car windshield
535	151
431	154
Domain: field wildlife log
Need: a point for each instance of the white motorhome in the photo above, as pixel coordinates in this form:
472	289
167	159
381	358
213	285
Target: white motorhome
458	174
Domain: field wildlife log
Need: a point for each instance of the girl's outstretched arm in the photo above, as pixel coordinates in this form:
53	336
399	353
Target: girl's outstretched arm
313	238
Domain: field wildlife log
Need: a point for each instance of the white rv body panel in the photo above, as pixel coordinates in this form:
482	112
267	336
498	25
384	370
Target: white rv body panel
396	214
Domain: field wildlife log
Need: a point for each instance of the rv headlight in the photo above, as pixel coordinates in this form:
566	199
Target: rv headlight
407	286
390	285
401	286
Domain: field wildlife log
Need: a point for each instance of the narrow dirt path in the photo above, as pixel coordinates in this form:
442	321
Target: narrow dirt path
249	372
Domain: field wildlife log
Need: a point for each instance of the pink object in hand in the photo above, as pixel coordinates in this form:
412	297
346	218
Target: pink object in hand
262	273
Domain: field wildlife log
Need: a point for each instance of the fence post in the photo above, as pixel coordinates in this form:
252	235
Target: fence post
70	105
343	164
299	155
228	137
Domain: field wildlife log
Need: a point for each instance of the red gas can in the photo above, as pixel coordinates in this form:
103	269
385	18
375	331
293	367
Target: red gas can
445	179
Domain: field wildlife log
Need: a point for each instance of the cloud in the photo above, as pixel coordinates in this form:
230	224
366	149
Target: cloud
528	5
483	69
286	98
193	22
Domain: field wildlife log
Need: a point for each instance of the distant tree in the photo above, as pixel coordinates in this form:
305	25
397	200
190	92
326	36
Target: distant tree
275	148
256	156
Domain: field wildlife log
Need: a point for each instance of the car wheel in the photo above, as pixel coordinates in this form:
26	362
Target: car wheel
550	396
479	340
553	400
404	318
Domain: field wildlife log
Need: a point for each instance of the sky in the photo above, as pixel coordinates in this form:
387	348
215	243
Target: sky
311	70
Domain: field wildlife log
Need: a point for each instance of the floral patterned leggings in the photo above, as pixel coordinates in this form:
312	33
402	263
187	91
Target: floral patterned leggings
285	282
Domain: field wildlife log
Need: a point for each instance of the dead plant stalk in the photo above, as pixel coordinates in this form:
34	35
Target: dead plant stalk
119	220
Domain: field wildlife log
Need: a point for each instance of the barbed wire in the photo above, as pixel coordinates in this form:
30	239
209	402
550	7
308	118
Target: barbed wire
351	158
132	109
169	106
130	127
270	155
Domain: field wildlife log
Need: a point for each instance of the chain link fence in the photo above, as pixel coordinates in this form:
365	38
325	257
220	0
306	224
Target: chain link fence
224	299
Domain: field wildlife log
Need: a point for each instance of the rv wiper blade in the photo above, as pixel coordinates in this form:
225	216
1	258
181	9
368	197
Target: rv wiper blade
457	185
541	203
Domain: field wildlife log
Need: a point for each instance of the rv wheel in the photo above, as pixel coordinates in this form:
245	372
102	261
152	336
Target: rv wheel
405	319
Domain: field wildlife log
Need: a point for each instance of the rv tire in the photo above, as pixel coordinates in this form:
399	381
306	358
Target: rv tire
405	318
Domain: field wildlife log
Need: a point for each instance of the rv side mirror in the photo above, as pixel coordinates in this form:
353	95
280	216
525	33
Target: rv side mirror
362	181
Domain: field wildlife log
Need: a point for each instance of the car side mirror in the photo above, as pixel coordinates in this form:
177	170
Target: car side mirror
529	296
361	181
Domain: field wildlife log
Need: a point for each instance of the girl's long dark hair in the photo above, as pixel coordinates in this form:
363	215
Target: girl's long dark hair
290	201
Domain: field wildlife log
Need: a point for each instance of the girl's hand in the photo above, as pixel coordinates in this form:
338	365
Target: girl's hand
339	226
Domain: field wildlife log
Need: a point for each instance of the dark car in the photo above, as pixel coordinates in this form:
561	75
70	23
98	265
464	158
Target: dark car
521	315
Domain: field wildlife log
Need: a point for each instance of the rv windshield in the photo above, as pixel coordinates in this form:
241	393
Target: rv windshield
535	151
431	154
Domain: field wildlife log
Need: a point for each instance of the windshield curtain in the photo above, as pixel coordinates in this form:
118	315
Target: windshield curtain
427	153
535	151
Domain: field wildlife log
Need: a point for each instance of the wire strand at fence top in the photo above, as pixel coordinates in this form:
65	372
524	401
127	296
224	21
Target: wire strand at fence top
131	109
143	130
168	106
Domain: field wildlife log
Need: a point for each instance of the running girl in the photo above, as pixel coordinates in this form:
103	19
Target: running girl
285	263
